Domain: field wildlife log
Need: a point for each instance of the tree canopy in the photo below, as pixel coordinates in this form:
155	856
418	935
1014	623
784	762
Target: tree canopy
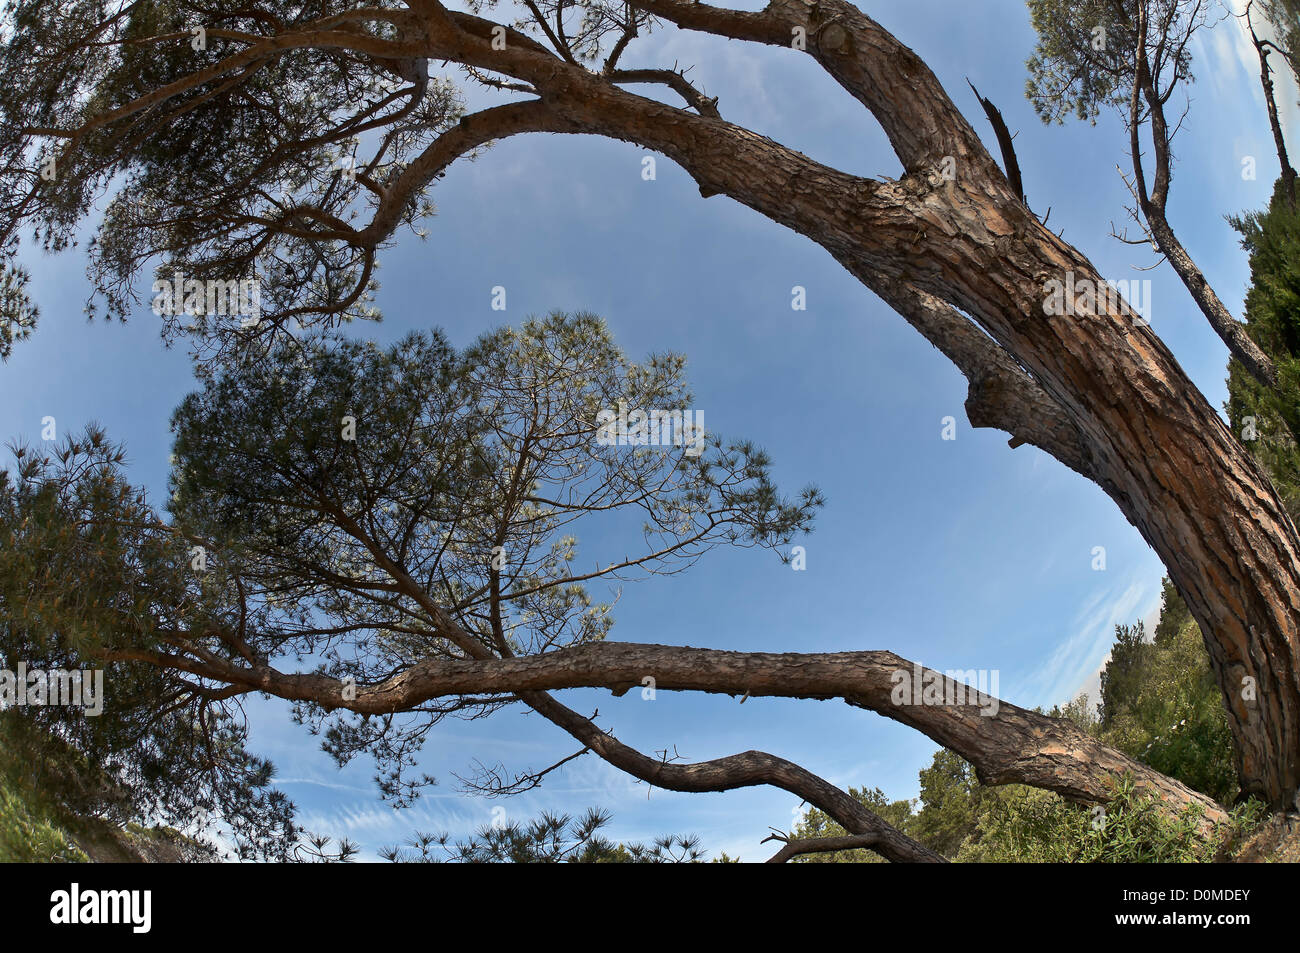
389	536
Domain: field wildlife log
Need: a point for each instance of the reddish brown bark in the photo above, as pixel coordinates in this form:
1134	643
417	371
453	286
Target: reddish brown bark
1095	389
1004	742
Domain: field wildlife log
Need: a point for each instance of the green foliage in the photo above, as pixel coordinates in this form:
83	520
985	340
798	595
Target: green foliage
951	798
1160	704
212	179
31	829
28	839
469	475
48	800
1026	825
1074	69
18	314
816	823
1124	674
1174	614
287	143
81	563
971	823
1272	318
1079	713
1088	53
547	839
292	537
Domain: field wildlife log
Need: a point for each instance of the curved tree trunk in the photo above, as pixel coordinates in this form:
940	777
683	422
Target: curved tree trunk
1093	387
1005	743
939	248
1154	202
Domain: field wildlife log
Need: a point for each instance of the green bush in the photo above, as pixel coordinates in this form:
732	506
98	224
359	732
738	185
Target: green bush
30	831
1027	825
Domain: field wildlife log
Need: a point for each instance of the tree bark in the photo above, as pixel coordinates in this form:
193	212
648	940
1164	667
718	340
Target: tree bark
1145	434
1154	203
820	845
1154	443
1005	743
1100	392
742	770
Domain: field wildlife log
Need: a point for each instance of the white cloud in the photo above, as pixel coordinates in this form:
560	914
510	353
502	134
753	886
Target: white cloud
1069	667
1230	54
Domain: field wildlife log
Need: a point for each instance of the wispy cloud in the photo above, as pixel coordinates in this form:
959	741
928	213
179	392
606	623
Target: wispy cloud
1092	631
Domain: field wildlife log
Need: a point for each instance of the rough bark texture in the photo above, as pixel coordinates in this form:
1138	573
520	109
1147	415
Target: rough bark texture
1006	744
736	771
1006	143
818	845
1127	416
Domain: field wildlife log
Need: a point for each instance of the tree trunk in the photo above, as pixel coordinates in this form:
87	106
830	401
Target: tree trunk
1094	388
1152	441
929	242
1274	123
1005	743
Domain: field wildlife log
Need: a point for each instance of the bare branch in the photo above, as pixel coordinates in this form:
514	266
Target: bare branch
818	845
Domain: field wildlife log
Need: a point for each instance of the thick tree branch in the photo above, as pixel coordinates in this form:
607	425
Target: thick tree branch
702	104
895	84
1005	743
1150	438
792	848
1275	124
1153	205
472	132
748	769
1002	394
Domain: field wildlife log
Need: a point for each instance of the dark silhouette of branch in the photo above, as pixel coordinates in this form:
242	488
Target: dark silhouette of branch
1009	160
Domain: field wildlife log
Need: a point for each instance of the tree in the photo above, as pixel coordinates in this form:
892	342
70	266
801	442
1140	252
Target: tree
1027	826
1158	704
1124	673
816	831
1269	416
1284	17
1132	56
408	517
1171	718
158	750
1276	13
102	94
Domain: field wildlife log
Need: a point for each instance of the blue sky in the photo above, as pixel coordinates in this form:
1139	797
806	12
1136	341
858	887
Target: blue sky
958	554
